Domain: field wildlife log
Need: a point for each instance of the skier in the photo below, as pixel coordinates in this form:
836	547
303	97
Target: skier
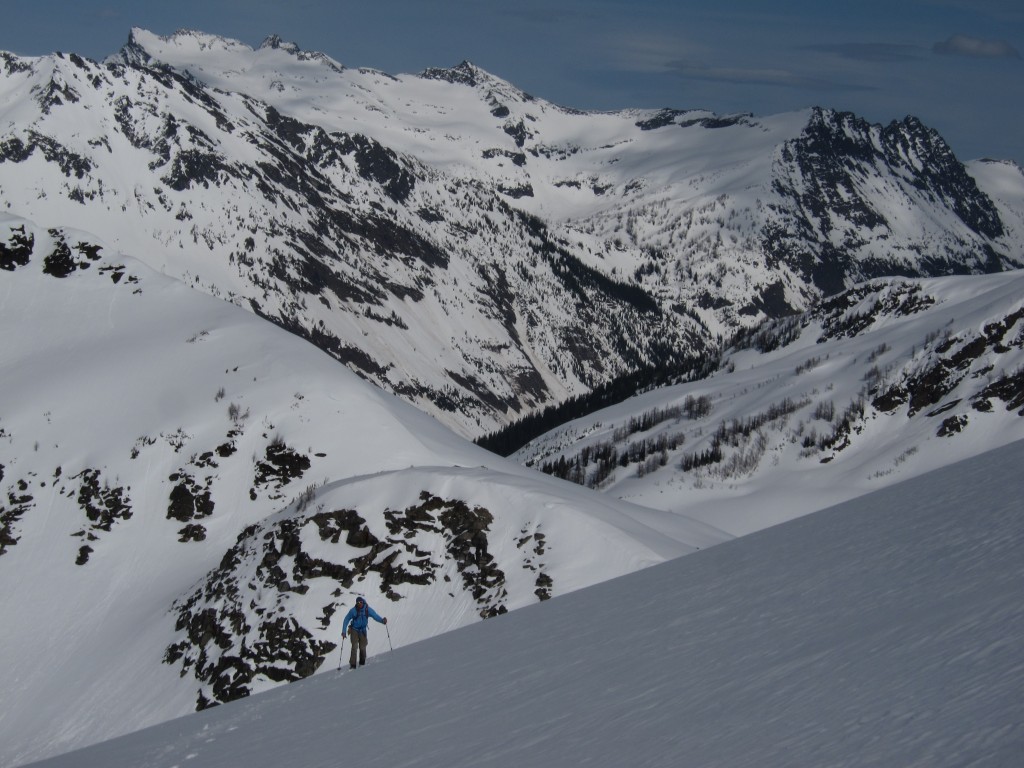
359	616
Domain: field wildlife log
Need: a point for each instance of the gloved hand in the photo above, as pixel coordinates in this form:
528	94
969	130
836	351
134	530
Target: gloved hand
385	620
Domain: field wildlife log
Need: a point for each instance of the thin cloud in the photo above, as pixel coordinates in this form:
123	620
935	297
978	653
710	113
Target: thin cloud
759	76
885	53
648	53
963	45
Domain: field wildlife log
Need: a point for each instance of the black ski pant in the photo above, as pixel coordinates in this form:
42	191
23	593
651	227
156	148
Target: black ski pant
358	644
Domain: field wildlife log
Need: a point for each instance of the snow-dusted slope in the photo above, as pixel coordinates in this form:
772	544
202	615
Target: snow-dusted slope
478	251
880	383
189	495
884	631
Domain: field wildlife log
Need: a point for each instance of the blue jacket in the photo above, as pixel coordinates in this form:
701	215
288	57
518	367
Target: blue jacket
359	619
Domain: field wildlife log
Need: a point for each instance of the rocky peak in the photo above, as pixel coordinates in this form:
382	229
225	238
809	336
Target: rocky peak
464	73
133	53
275	42
921	149
837	142
850	189
467	73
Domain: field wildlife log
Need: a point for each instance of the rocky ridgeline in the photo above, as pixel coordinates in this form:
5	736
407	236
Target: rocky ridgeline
969	356
977	364
244	623
950	374
349	242
949	370
831	217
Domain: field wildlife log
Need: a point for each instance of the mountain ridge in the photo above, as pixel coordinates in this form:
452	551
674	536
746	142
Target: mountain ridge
892	376
196	233
358	209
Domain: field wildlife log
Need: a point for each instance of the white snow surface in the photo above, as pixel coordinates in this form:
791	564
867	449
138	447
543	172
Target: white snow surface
770	475
827	641
883	631
135	379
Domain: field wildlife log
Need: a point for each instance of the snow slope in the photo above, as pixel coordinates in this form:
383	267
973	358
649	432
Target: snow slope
155	443
192	494
884	631
880	383
188	496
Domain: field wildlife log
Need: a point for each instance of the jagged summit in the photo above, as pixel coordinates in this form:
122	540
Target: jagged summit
193	48
275	41
465	73
132	52
469	74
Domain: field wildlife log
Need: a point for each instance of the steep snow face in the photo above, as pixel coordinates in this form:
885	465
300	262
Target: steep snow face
884	631
478	251
862	196
1003	182
190	498
880	383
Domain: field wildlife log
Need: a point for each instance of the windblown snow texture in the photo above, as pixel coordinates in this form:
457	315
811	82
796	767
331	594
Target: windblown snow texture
880	632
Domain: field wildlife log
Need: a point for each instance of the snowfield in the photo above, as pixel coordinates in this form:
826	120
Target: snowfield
167	457
884	631
889	380
254	304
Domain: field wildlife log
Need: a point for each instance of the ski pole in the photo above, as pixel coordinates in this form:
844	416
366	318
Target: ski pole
341	652
389	637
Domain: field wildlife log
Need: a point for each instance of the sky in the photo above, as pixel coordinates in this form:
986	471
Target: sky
956	64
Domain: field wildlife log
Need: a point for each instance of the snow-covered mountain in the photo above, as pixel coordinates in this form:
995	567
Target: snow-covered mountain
191	494
885	631
882	382
473	249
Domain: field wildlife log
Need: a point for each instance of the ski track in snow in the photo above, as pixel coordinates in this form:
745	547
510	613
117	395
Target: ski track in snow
883	631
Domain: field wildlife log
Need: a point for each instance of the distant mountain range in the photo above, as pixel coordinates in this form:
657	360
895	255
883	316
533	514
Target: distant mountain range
191	494
477	251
